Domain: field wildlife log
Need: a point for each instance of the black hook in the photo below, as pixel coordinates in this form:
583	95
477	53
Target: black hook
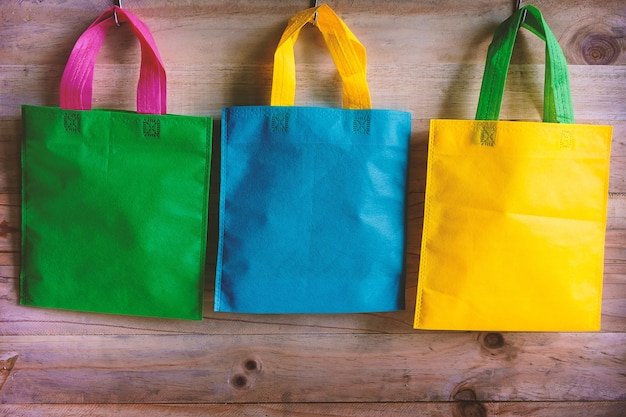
518	5
315	15
118	3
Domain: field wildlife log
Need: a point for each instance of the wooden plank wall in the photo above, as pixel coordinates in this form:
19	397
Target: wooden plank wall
423	56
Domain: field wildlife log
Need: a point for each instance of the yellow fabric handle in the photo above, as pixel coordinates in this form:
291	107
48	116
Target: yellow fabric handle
346	50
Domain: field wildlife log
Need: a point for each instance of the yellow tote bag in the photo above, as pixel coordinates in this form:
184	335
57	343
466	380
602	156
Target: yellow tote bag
515	212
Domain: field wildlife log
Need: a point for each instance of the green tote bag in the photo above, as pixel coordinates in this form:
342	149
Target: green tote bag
114	203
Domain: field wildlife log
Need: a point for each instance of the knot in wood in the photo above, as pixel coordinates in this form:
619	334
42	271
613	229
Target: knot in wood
470	409
466	404
600	49
465	394
239	381
493	340
251	365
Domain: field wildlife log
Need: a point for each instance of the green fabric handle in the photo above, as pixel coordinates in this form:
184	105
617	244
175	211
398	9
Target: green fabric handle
557	106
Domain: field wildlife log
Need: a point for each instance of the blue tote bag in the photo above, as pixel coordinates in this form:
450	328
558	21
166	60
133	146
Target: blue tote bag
312	200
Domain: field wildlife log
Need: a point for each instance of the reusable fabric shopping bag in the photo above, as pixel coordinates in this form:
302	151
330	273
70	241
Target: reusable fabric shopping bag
312	200
515	212
114	212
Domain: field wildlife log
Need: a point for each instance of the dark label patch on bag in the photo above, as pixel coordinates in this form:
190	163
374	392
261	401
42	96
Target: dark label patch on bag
566	141
280	122
488	136
361	125
71	122
152	128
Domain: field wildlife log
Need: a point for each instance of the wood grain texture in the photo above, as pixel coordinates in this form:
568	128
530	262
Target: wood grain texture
424	366
423	56
430	409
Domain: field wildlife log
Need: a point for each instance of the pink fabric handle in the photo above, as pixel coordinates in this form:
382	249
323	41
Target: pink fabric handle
77	80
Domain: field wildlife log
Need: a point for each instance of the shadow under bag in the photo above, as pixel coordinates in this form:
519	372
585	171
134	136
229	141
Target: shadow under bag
515	212
114	212
312	200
